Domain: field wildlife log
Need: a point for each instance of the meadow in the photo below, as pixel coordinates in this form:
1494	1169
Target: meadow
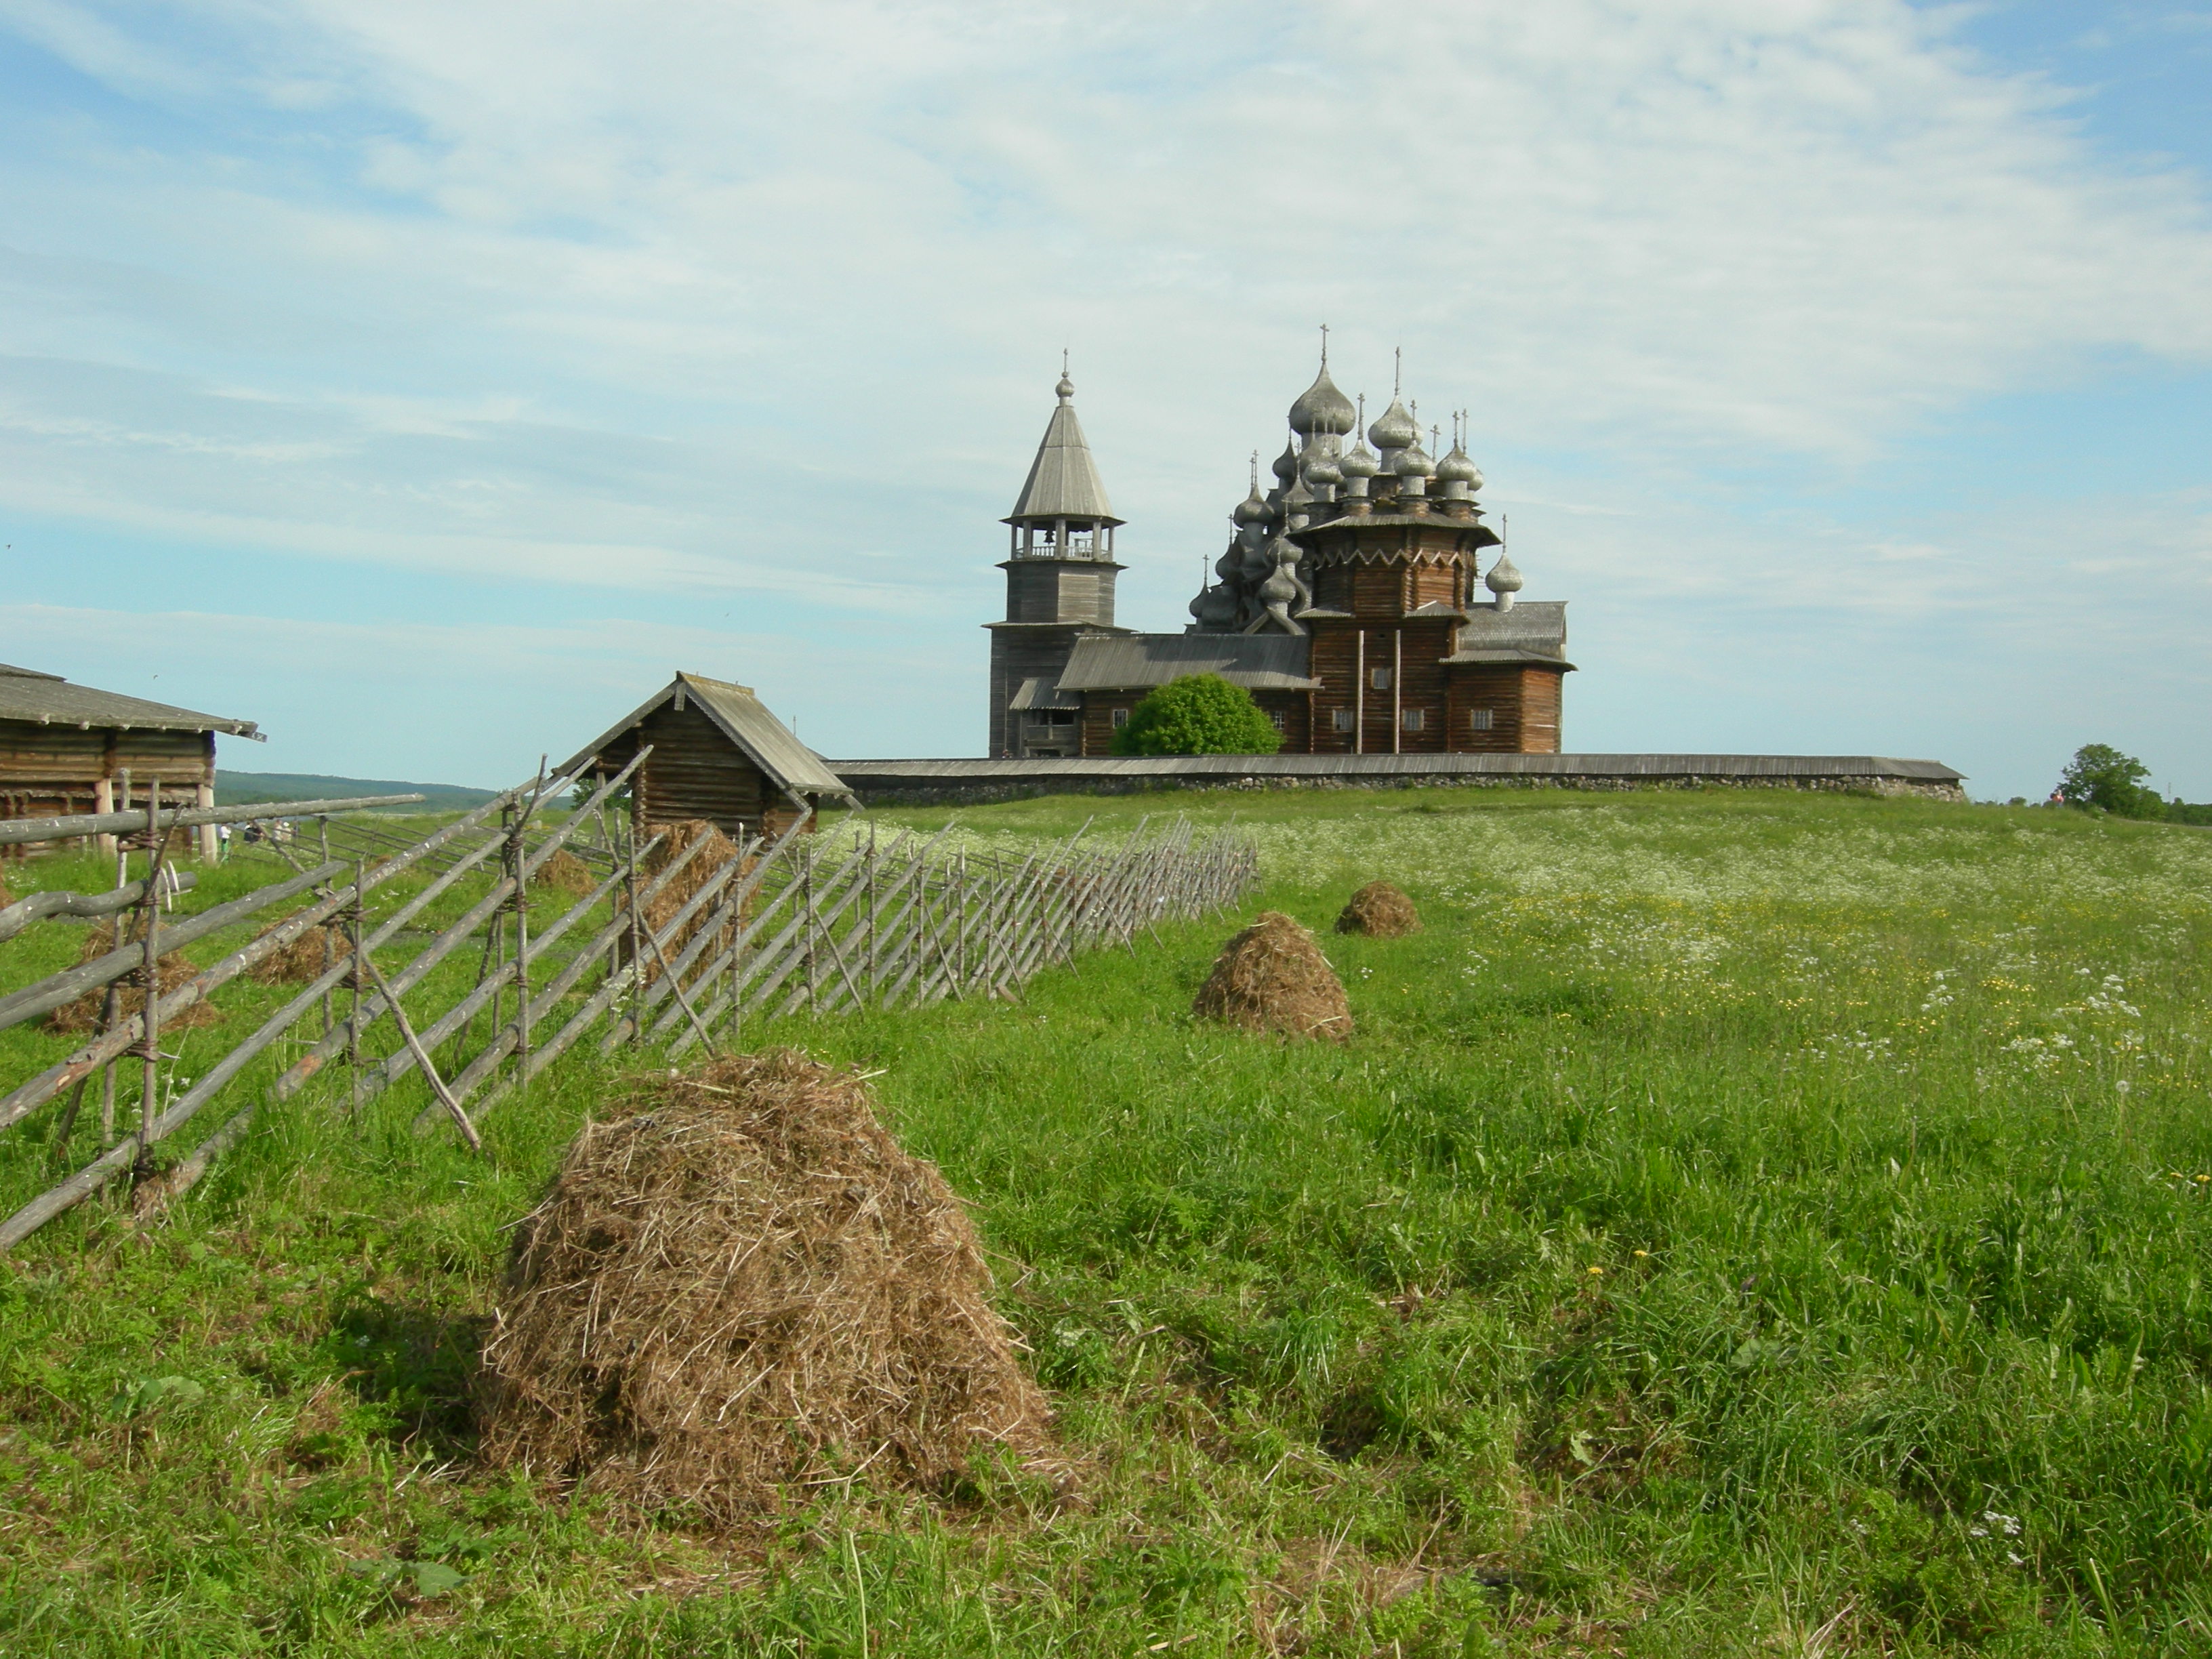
1742	1223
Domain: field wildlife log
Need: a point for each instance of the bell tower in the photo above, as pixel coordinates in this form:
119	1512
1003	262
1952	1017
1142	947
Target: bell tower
1059	572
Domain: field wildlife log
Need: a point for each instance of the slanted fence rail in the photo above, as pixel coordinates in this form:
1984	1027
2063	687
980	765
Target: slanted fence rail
683	940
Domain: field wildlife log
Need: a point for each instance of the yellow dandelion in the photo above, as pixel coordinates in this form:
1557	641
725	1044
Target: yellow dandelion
1643	1252
1597	1272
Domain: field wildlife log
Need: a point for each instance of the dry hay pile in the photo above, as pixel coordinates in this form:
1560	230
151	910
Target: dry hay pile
1272	977
742	1283
660	909
1380	911
83	1015
303	959
564	873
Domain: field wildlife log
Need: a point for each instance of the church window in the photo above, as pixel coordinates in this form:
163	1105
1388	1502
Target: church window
1379	679
1275	716
1412	719
1340	719
1478	719
1120	718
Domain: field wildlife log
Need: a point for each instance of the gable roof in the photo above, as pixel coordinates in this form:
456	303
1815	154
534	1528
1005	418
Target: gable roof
1258	662
746	721
41	699
1063	481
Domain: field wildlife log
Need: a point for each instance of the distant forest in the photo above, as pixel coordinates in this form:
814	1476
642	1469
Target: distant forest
246	788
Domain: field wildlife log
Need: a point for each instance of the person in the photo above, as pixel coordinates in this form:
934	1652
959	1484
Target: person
222	843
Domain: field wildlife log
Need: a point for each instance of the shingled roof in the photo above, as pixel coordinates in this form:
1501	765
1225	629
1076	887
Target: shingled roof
1063	481
1258	662
746	721
42	699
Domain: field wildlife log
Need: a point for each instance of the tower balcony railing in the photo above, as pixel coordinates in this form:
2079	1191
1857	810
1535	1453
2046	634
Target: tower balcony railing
1093	551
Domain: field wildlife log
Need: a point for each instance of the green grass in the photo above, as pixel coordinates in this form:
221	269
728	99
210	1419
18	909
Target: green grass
1737	1213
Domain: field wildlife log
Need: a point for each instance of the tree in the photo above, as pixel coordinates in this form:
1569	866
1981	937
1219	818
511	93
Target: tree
1197	714
2100	776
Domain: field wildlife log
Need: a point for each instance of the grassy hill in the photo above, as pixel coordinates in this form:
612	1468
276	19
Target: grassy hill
1742	1223
248	788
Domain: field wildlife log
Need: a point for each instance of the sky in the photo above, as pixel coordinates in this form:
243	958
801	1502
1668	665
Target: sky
428	382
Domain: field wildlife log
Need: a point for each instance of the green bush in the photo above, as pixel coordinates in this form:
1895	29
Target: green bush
2100	776
1197	714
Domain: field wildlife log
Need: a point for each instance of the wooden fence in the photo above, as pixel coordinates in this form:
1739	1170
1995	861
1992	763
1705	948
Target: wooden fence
683	940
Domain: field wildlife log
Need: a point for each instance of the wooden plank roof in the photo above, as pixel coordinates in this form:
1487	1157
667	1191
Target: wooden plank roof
42	699
1258	662
746	721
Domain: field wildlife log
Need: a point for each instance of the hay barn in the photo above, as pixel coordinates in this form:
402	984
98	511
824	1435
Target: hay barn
718	753
67	748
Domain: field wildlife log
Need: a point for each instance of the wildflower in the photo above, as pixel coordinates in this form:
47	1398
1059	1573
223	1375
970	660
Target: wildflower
1599	1272
1641	1253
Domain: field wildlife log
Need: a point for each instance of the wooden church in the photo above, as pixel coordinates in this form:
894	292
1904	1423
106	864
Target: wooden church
1353	603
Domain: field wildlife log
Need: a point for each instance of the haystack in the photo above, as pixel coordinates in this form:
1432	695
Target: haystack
1380	911
741	1285
661	908
564	873
1272	977
305	958
83	1015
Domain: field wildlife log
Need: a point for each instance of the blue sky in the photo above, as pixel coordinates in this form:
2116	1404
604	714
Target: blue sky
427	382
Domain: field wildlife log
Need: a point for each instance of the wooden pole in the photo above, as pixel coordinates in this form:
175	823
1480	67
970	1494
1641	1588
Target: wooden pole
422	1056
353	985
150	1048
636	949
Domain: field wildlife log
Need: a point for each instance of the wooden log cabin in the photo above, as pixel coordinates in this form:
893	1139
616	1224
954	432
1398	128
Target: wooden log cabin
67	748
1352	604
718	753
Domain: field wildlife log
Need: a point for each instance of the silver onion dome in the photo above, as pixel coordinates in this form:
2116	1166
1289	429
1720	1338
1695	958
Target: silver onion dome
1413	463
1065	389
1459	467
1504	578
1320	408
1359	462
1321	470
1253	509
1286	465
1394	429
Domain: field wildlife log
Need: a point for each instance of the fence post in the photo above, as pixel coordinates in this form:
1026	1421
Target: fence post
636	946
150	901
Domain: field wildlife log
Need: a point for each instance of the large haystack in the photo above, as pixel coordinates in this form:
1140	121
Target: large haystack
661	908
1272	977
1380	911
83	1015
740	1284
305	958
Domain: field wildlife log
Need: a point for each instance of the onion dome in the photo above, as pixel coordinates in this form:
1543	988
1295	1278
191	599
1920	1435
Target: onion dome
1413	463
1065	389
1286	465
1504	578
1321	470
1359	462
1459	467
1253	509
1394	428
1320	408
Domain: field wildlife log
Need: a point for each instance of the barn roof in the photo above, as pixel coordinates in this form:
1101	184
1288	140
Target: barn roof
42	699
746	721
1258	662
